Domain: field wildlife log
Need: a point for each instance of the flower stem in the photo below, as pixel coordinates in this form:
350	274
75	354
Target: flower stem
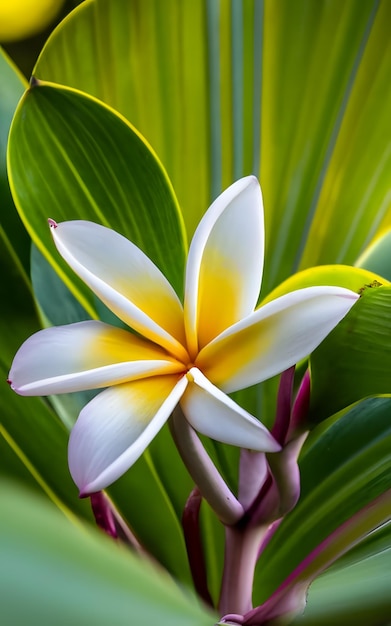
194	547
203	471
103	514
284	402
241	554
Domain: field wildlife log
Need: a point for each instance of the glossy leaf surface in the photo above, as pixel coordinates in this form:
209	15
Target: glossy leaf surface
68	574
26	428
355	359
28	425
355	595
73	158
343	470
224	89
14	239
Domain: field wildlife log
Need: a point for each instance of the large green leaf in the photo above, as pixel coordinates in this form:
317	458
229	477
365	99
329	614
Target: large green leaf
54	573
342	471
13	237
72	158
151	497
355	595
346	276
354	199
377	541
309	69
33	439
55	302
222	89
355	359
149	61
37	439
28	425
377	257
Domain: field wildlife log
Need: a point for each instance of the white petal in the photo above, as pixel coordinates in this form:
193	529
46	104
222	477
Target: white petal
225	262
213	413
86	355
275	337
125	279
114	429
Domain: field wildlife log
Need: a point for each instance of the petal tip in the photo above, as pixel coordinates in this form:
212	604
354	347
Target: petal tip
12	386
253	180
52	223
274	446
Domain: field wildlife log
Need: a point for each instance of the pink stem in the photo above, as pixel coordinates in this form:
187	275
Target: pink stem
241	554
284	403
103	514
203	471
194	547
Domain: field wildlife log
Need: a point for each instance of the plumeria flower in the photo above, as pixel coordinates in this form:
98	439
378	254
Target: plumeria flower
194	354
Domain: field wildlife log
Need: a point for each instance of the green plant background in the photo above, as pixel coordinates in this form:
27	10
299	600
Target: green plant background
140	114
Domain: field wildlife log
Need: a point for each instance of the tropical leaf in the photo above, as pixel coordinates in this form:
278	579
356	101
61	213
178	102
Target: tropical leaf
154	71
343	472
354	361
68	574
13	237
377	257
224	89
354	201
32	438
72	158
355	595
28	426
353	278
377	541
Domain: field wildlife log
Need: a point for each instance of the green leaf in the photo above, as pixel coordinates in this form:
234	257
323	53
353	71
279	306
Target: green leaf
150	497
12	466
29	429
13	237
353	278
376	542
222	89
354	199
307	89
151	65
355	595
354	361
377	257
56	303
343	471
70	575
71	157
